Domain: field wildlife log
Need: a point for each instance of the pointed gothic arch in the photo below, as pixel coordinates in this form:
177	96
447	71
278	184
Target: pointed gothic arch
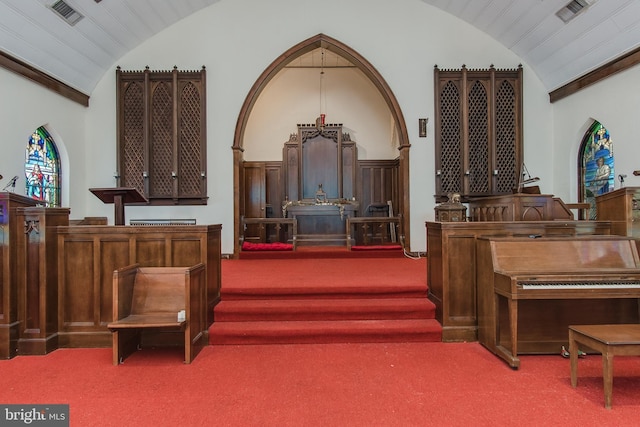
595	166
330	44
42	168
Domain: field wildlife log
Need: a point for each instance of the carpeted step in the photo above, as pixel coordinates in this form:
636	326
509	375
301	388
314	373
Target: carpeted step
324	309
342	331
318	253
316	300
335	289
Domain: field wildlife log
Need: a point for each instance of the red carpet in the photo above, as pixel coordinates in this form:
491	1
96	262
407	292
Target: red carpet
321	300
277	246
355	385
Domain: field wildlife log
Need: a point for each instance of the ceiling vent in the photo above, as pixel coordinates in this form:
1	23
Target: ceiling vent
573	9
66	12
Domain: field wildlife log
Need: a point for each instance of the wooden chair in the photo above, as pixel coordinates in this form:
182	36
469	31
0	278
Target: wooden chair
150	299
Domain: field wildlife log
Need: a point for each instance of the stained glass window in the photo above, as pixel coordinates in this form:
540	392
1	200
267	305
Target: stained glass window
596	165
42	168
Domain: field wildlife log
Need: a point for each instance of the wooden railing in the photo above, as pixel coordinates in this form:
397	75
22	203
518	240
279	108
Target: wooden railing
280	224
383	229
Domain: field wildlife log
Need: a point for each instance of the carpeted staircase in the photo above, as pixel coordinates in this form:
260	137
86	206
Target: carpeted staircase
334	312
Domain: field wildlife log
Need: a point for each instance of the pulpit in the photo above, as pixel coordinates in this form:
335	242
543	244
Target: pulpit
519	207
621	207
10	228
120	197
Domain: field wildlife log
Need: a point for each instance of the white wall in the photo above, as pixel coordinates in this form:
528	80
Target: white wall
293	97
614	102
26	106
238	39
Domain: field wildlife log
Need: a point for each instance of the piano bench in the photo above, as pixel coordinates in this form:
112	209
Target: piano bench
609	340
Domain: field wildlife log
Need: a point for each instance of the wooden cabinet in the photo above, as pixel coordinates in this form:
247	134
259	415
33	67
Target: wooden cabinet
161	121
622	208
478	131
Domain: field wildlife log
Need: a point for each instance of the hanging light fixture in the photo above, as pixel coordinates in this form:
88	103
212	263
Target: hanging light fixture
320	121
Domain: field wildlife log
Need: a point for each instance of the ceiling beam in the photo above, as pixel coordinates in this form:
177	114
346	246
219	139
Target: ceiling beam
619	64
27	71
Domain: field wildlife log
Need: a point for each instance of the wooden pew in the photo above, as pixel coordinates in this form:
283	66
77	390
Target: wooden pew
150	298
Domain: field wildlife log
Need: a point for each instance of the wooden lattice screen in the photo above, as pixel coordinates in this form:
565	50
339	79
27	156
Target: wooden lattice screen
162	134
478	131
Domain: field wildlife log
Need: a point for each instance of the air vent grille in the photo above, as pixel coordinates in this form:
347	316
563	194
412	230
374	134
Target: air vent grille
66	12
572	9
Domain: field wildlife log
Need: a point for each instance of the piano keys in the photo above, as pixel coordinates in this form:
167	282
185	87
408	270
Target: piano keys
531	289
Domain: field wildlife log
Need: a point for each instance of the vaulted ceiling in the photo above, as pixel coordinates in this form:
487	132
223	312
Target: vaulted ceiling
79	55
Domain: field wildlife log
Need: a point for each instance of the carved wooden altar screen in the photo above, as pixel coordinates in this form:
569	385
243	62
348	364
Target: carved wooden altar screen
478	136
320	167
315	157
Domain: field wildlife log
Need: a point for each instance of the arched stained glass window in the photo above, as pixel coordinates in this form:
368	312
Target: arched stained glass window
596	165
42	168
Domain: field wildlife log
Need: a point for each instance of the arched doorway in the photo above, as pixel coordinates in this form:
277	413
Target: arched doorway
325	42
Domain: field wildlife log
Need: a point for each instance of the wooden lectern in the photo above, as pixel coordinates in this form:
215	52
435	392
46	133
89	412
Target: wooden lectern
119	196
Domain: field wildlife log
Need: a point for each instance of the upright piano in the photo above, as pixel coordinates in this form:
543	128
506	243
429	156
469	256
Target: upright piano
530	289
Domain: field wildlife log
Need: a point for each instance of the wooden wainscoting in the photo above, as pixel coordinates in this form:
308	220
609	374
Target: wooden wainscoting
88	256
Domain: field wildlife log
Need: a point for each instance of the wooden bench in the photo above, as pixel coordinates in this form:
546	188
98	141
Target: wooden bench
609	340
385	229
280	224
150	299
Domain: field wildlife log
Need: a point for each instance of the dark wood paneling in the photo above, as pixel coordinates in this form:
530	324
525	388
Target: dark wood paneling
151	251
88	255
77	290
38	277
377	184
320	167
184	251
292	170
10	229
349	170
254	200
461	309
274	189
114	253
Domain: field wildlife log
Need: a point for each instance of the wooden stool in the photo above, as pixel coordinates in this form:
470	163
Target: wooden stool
610	340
